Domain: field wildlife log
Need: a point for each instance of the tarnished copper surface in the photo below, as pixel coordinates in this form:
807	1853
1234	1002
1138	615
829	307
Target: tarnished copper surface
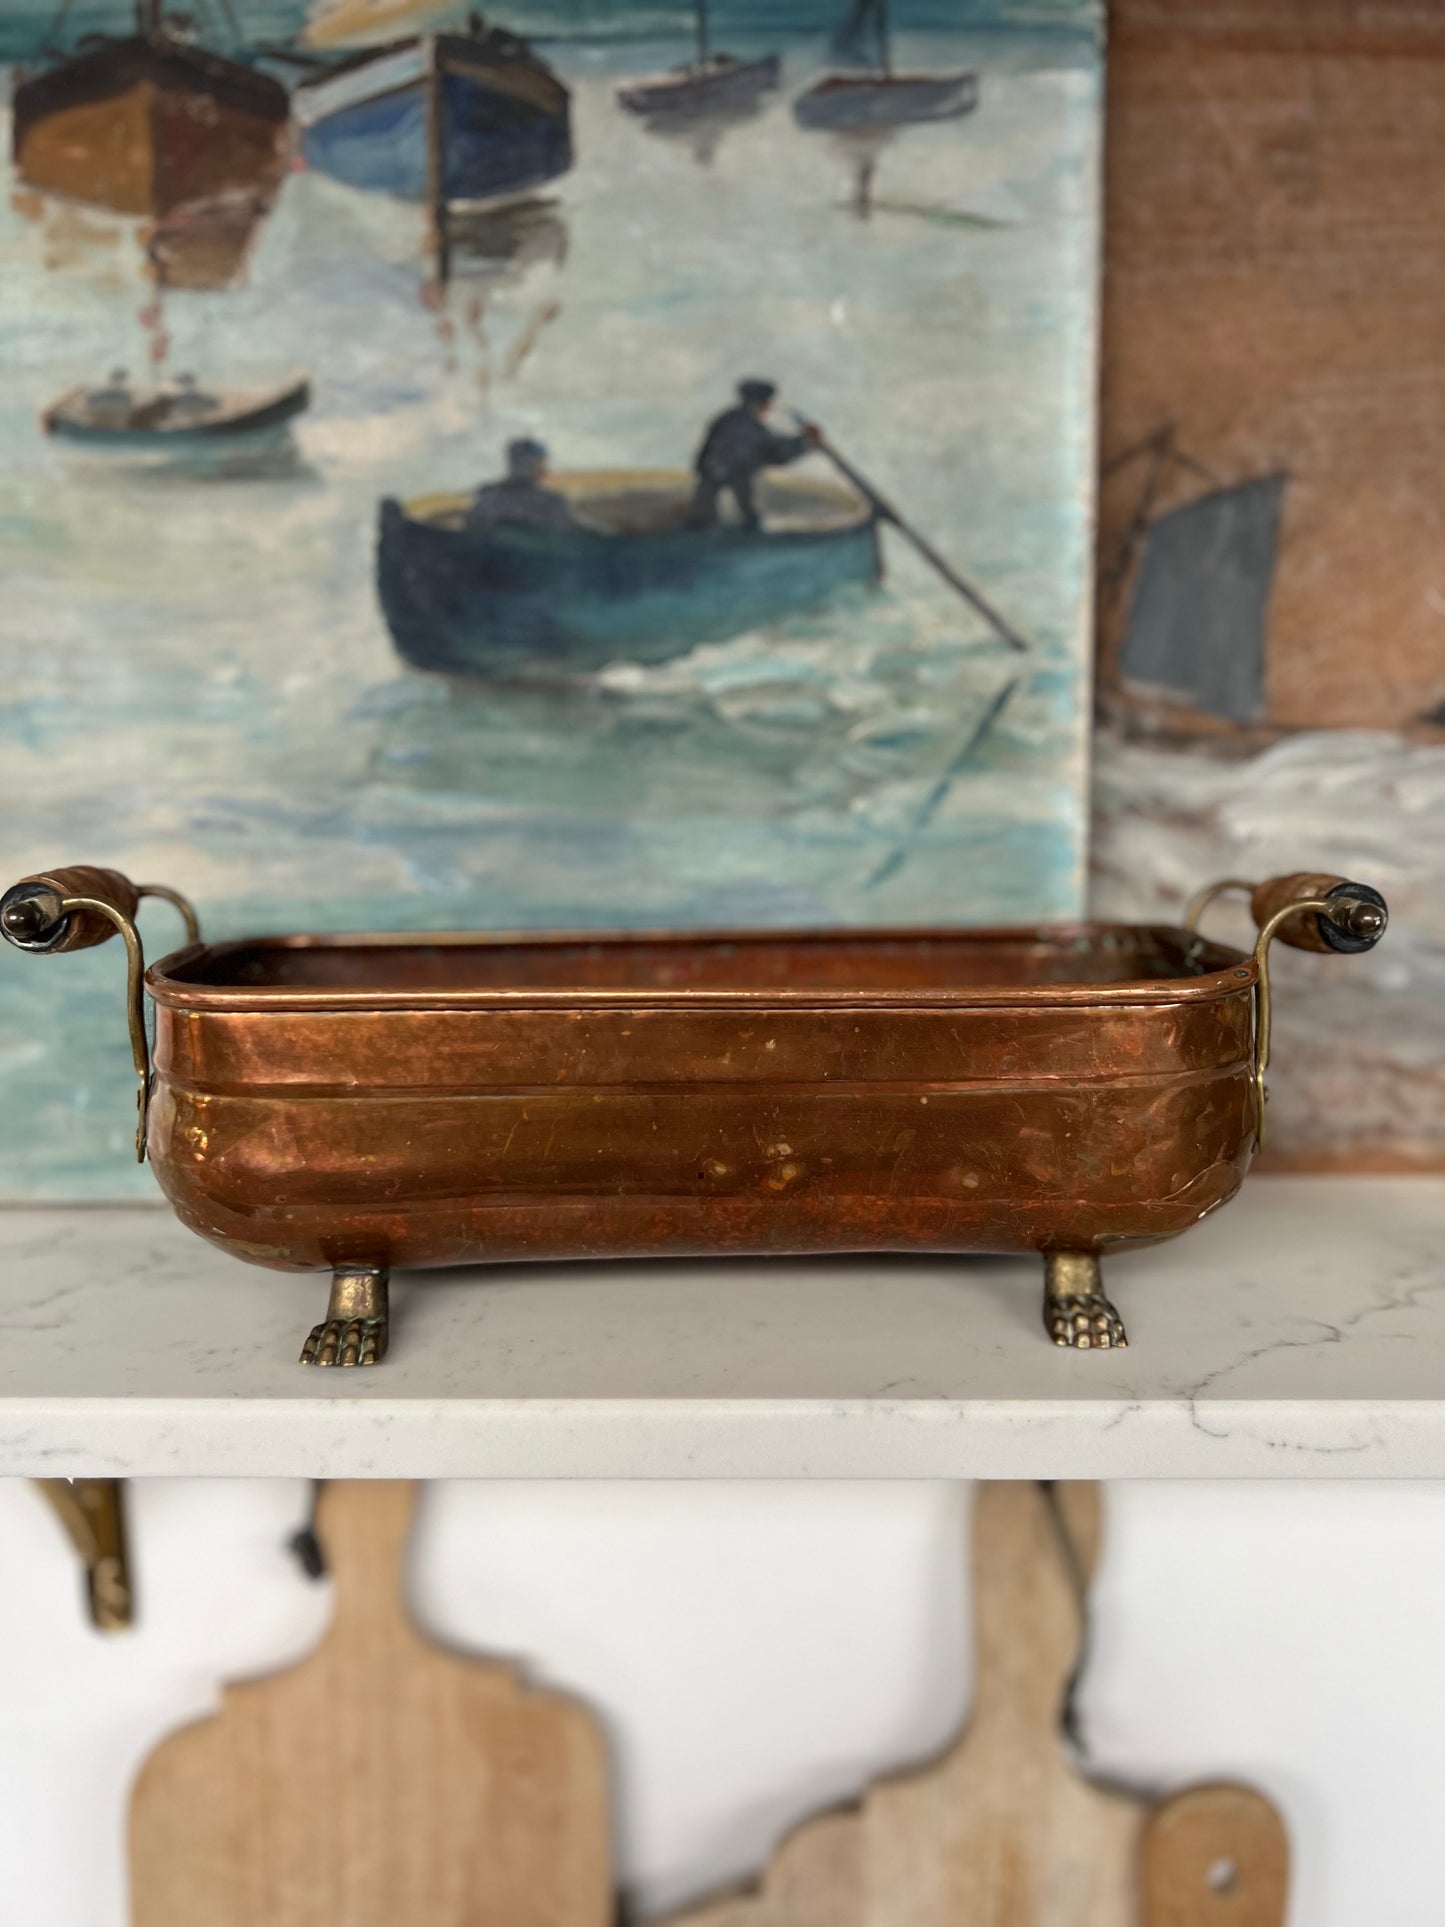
428	1101
354	1103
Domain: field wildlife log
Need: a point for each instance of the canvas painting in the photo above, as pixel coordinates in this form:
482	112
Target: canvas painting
610	463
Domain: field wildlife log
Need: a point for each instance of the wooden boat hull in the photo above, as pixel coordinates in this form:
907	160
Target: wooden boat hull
846	103
520	602
732	87
502	127
147	126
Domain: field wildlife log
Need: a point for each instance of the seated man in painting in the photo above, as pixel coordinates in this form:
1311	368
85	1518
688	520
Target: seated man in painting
522	498
113	405
738	446
188	401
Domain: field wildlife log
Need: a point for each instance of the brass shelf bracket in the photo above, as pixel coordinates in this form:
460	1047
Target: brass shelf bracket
93	1513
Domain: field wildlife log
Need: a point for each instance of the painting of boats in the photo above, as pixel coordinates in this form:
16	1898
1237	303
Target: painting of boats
149	123
878	98
448	119
632	582
711	84
178	424
799	633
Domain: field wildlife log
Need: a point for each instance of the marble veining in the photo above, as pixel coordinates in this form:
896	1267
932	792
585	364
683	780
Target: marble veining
1300	1332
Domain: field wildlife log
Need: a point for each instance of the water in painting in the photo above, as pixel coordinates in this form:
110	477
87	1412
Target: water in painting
360	568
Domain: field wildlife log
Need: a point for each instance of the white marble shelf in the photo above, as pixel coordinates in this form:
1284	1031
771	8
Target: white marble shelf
1299	1334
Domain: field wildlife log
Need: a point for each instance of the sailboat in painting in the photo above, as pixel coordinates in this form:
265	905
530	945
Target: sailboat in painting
711	83
1195	632
451	119
879	98
148	123
1197	622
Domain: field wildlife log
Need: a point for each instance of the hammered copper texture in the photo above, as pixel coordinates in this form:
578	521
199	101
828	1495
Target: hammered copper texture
434	1101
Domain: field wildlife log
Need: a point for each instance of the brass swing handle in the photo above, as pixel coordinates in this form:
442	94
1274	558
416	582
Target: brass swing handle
55	911
1308	911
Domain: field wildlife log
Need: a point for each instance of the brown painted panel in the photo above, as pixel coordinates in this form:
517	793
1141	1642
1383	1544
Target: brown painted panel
1275	292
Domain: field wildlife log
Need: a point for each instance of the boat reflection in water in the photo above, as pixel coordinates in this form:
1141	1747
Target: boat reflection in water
500	244
149	124
444	119
204	248
179	428
635	583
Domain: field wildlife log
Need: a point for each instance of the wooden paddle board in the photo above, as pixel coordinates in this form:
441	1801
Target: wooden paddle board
383	1782
1002	1831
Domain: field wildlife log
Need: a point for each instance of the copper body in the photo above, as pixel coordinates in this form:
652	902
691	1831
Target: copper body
323	1102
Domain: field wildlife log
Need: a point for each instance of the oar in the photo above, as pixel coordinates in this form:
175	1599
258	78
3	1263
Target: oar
883	508
933	802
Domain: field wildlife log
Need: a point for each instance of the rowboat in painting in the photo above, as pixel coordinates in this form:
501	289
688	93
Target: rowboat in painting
149	123
178	424
879	99
711	83
632	582
447	118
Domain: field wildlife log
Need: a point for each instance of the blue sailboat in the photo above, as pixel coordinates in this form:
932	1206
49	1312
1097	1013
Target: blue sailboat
879	99
448	119
711	84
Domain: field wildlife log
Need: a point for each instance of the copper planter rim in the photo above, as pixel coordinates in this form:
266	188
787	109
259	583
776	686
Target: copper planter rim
1232	970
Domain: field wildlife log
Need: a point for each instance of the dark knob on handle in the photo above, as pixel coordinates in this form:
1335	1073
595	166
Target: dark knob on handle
32	919
1356	919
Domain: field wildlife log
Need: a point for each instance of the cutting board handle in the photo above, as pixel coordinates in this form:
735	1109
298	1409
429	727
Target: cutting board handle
1215	1856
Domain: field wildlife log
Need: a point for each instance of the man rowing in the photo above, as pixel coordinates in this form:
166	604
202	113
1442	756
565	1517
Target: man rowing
737	448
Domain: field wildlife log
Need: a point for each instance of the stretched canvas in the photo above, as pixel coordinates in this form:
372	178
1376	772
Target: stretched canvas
624	462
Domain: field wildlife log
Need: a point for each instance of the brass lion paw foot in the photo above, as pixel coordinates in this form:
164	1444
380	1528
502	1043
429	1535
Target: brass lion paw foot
1088	1322
1076	1312
356	1326
345	1341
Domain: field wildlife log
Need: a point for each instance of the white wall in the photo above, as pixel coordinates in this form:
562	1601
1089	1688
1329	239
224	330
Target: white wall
757	1650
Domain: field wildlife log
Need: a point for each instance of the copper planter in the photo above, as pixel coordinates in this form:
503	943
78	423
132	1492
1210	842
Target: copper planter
348	1104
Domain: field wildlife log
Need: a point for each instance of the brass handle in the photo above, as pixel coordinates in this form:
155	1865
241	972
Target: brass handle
55	911
1309	911
1321	913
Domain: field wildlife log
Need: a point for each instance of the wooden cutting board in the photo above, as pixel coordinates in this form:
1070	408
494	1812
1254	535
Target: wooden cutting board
383	1782
1001	1831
